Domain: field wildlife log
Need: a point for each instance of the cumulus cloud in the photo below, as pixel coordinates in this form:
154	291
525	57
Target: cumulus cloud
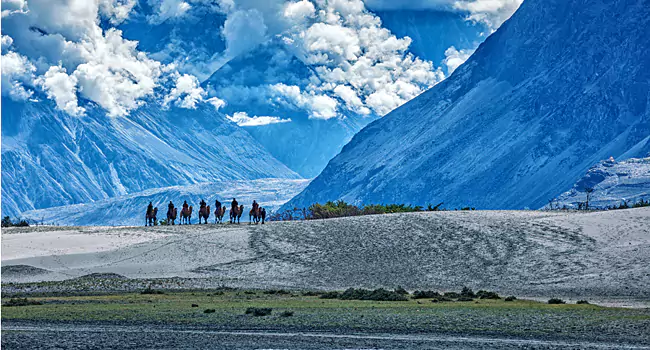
116	11
166	9
12	6
216	102
242	119
17	74
243	30
187	93
454	58
320	106
62	88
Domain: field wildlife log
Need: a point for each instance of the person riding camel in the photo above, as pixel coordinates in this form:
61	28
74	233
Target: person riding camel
217	204
203	204
150	208
170	206
255	205
234	205
185	205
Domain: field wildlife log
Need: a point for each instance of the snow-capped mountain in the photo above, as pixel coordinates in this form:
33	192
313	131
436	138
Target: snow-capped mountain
612	182
129	210
560	86
50	158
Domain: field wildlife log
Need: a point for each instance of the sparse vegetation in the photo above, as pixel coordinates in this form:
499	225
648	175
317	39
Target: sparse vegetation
259	311
582	302
425	294
556	301
276	291
365	294
150	290
286	314
6	222
209	311
510	298
21	302
482	294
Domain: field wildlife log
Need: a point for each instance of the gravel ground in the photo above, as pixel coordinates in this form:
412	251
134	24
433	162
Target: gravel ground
602	255
53	336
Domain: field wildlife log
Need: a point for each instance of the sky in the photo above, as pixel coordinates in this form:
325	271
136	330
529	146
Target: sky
75	52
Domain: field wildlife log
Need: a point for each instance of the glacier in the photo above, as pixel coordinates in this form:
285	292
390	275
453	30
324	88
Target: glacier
50	158
613	182
129	210
558	87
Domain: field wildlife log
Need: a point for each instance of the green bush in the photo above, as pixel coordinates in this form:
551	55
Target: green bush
402	291
276	291
209	311
465	299
259	311
440	299
451	295
467	293
330	295
425	294
365	294
556	301
21	302
483	294
149	290
582	302
286	314
510	298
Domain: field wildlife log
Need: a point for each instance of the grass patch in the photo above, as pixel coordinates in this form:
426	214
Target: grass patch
149	291
259	311
21	302
365	294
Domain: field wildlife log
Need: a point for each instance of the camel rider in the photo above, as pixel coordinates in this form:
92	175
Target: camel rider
217	204
185	205
170	206
234	205
255	205
150	208
202	204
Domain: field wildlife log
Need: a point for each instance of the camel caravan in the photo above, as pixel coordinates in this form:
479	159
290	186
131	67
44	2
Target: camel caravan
256	215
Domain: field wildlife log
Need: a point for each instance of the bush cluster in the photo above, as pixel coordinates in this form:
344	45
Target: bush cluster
425	294
6	222
365	294
582	302
510	298
21	302
259	311
556	301
150	290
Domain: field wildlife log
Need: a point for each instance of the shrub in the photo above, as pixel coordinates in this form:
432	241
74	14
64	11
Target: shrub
425	294
452	295
149	290
376	295
556	301
400	290
465	299
330	295
510	298
286	314
276	291
582	302
310	293
21	302
259	311
483	294
440	299
467	293
209	311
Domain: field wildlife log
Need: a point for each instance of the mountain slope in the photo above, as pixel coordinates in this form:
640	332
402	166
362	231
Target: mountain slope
128	210
558	87
613	183
50	158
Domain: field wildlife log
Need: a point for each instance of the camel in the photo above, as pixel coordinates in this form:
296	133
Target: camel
186	215
236	213
254	216
219	213
171	216
151	218
204	213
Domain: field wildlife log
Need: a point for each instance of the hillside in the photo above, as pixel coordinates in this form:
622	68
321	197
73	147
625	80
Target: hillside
50	158
560	86
129	209
533	253
613	183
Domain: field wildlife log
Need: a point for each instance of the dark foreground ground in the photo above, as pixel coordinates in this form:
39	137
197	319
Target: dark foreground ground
304	321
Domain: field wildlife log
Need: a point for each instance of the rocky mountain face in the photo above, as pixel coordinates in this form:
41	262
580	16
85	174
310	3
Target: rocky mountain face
50	158
560	86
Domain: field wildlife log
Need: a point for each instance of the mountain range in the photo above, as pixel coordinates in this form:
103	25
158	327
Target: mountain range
558	87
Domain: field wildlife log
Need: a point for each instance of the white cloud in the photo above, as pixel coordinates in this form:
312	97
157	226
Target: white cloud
166	9
62	88
216	102
319	106
187	93
242	119
117	11
299	11
17	71
243	30
454	58
12	6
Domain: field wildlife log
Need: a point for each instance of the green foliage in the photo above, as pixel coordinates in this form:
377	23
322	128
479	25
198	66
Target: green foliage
340	209
6	222
425	294
286	314
510	298
209	311
150	290
556	301
451	295
467	293
465	299
483	294
21	302
400	290
582	302
276	291
259	311
365	294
